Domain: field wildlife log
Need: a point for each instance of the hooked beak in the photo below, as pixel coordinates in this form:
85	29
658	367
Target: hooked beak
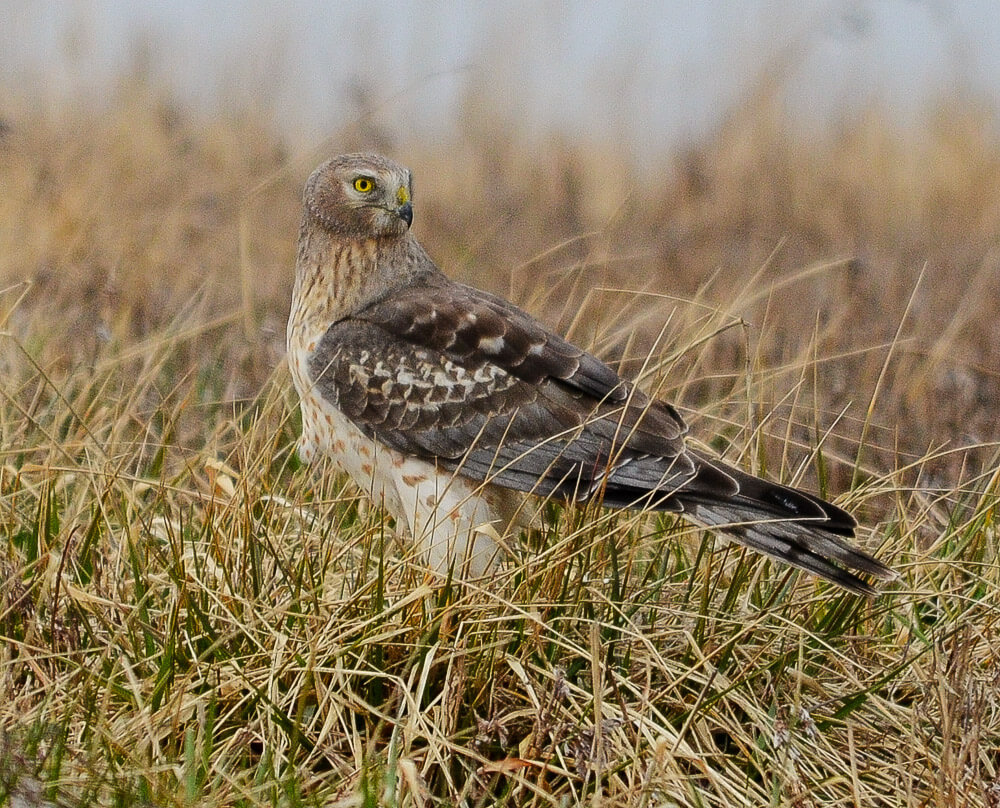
405	212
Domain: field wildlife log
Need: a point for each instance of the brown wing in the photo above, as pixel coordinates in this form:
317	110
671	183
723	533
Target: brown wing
467	380
455	375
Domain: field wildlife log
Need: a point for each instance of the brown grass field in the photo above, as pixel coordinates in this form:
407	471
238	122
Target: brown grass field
188	616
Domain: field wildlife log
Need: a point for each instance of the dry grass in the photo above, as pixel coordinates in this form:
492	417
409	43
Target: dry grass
188	616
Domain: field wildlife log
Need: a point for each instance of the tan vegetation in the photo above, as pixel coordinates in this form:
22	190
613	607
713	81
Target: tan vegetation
189	616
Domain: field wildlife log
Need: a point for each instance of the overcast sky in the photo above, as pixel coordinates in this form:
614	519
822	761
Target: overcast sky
647	72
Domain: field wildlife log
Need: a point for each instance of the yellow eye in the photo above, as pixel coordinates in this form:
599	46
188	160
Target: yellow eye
364	185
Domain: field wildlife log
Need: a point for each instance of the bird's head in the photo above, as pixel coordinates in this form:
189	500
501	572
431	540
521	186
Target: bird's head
360	195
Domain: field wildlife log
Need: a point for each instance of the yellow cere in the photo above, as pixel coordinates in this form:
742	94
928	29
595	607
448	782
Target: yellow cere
363	184
402	195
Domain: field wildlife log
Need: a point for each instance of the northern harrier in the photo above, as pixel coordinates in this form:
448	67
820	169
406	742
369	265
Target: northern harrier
447	404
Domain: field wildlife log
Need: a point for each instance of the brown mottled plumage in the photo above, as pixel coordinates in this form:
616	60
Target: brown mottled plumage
440	400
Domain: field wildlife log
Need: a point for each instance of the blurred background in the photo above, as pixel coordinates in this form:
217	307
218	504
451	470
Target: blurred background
649	75
805	194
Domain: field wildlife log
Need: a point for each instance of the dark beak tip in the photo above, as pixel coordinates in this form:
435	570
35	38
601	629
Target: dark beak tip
405	213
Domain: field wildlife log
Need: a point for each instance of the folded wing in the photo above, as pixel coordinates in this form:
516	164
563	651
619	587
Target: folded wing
464	379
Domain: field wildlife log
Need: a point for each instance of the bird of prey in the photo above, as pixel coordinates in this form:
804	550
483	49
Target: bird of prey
448	404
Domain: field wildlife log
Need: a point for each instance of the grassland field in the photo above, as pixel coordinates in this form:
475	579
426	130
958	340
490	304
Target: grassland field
189	616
